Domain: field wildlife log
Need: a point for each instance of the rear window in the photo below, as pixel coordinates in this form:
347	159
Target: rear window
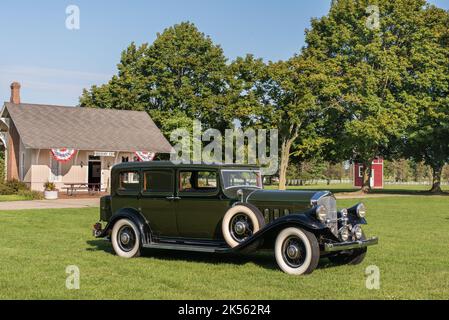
129	181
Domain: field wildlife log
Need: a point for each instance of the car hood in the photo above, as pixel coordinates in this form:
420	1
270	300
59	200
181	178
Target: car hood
292	200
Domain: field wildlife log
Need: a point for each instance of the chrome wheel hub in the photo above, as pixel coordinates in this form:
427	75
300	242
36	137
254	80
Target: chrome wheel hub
124	238
293	252
240	228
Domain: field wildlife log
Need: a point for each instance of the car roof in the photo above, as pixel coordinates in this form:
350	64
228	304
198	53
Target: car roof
169	164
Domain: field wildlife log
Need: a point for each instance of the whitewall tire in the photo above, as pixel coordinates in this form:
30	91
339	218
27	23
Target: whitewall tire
125	239
240	223
297	251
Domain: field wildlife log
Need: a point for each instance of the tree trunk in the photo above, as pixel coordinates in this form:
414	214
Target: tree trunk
366	186
436	183
285	157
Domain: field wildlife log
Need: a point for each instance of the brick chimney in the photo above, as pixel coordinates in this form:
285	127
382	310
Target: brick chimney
15	93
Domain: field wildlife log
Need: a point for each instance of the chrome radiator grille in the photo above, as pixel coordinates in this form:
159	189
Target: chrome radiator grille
331	205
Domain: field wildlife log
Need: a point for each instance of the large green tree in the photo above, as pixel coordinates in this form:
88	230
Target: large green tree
367	53
181	76
283	96
428	140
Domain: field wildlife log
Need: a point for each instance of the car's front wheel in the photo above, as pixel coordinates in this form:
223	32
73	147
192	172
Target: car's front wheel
297	251
125	239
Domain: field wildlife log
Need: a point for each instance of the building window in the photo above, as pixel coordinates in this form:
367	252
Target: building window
360	171
55	170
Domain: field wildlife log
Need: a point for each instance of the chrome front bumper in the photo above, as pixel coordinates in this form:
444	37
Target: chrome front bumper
340	246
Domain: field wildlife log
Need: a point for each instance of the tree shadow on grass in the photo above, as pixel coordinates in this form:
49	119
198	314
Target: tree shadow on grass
262	258
409	192
357	192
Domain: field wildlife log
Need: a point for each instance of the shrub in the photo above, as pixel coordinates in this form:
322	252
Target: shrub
30	194
2	166
19	188
5	190
16	185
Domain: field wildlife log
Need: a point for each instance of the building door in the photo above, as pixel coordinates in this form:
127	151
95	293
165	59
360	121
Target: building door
94	175
371	180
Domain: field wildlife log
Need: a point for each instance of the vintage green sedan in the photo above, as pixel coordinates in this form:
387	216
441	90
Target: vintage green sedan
224	209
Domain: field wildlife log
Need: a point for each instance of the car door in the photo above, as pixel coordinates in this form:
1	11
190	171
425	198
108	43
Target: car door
157	202
200	207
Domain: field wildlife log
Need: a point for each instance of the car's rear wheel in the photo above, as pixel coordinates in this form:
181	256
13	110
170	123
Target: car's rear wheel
297	251
240	223
125	239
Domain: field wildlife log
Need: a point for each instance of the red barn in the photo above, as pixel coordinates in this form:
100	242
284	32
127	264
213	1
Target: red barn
377	174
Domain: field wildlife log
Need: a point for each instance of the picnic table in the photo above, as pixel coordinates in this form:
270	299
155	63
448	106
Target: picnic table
72	188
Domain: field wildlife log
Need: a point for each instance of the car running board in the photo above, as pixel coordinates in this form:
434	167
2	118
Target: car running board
185	247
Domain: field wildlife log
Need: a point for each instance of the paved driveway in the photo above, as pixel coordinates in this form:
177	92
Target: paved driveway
50	204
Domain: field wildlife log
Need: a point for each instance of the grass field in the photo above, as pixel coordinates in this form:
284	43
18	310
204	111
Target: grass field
12	197
36	246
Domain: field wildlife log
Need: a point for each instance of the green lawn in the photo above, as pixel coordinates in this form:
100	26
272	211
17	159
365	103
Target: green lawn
12	197
37	245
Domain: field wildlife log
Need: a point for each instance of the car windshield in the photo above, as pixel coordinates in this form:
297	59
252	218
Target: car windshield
241	178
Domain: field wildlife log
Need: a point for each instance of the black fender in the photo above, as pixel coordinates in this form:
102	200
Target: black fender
352	216
304	220
353	220
133	215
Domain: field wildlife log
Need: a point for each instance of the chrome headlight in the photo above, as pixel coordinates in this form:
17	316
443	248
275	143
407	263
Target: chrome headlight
321	213
357	232
344	213
361	210
344	234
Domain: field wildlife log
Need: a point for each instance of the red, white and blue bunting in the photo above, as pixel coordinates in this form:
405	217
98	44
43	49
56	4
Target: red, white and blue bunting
145	156
63	154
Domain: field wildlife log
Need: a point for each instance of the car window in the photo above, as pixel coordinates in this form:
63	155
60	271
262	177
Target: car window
129	181
158	181
198	181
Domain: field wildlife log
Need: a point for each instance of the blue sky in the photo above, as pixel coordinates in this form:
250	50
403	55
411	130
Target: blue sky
54	64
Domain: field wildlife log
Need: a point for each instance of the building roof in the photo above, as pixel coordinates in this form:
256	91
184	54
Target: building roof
170	164
47	127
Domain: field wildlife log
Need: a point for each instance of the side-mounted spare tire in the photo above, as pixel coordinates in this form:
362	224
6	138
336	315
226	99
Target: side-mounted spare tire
241	222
